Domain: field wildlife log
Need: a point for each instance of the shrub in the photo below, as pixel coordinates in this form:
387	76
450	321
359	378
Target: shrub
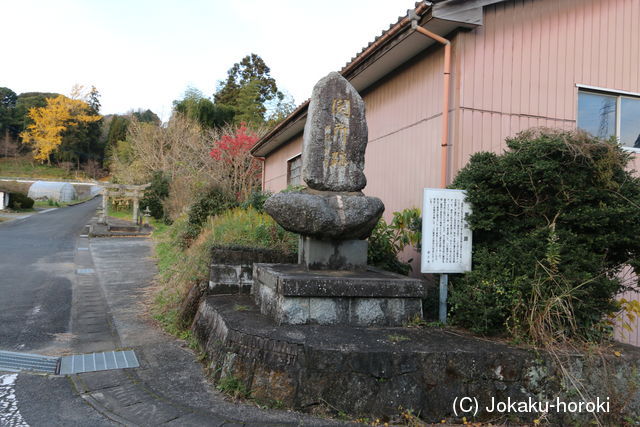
256	200
181	269
388	240
555	220
20	201
155	194
248	228
211	202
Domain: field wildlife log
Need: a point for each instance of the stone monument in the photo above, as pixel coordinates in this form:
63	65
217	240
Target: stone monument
332	215
332	284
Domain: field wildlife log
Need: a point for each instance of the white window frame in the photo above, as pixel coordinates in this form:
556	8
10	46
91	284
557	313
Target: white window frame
619	94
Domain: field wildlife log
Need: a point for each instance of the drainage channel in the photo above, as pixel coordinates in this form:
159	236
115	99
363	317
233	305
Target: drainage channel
16	362
66	365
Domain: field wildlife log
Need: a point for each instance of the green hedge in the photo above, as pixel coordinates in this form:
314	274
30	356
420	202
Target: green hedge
555	218
20	201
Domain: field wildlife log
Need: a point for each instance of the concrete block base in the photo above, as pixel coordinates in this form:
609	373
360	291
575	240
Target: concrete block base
292	295
332	255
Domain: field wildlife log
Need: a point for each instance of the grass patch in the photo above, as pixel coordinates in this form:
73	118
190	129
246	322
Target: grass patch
55	204
179	268
416	322
48	204
21	167
269	403
233	387
120	214
397	338
159	227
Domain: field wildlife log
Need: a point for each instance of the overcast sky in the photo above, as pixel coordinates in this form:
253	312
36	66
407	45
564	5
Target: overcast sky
145	53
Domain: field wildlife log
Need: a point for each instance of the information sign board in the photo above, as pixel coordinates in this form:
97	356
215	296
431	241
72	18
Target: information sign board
446	236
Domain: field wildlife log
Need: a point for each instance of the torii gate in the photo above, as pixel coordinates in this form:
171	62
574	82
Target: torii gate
134	192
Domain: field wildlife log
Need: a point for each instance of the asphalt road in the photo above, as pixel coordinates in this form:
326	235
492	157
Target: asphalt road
38	262
36	276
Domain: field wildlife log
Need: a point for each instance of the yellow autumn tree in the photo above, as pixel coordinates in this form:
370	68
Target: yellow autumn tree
49	123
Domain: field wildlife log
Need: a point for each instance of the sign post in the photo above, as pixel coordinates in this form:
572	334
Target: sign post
446	237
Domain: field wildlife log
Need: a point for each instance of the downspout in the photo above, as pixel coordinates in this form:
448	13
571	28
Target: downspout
444	141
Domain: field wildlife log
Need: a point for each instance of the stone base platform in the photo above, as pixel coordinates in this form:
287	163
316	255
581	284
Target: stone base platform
291	294
117	227
372	372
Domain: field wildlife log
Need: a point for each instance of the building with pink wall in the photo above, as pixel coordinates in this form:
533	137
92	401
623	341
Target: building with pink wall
515	64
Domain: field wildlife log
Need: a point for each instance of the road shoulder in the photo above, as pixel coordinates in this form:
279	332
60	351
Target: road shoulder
170	386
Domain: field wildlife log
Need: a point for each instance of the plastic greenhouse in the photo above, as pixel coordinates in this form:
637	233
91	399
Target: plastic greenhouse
56	191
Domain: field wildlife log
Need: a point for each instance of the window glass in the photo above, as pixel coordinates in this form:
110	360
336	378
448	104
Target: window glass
630	122
294	171
597	114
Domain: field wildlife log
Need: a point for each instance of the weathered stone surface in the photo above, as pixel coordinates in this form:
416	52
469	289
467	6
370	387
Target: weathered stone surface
370	372
318	254
295	280
291	295
189	306
231	268
326	216
241	255
335	137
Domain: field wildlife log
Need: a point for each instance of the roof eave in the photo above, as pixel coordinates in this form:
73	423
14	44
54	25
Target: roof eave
365	69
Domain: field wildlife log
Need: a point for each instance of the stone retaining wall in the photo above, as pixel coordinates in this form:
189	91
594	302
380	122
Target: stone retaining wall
231	270
372	372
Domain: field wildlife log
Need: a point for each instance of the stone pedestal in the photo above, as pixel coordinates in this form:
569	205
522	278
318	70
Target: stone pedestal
290	294
332	284
332	255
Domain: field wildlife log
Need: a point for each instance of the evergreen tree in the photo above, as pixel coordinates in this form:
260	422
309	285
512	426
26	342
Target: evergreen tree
146	116
248	89
95	149
196	107
8	122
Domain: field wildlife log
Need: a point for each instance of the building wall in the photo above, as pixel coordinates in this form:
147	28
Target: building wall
404	115
403	154
275	165
520	69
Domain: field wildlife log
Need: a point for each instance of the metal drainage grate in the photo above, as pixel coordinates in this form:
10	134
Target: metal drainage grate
16	362
92	362
75	364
